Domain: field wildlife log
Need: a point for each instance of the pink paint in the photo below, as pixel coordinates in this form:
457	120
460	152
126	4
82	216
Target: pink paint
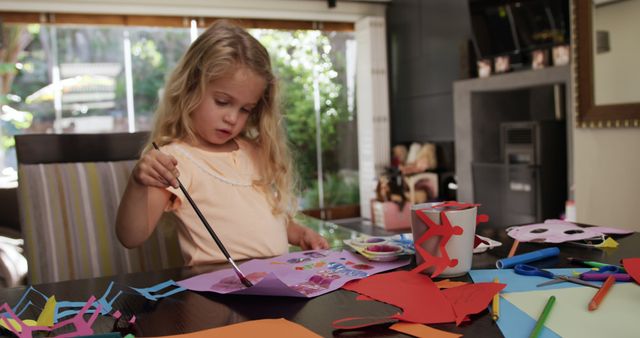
383	248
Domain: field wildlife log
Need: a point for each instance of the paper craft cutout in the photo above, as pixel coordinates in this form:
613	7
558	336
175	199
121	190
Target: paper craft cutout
105	305
82	327
18	309
281	328
415	293
471	298
446	284
46	317
609	243
323	272
420	299
445	231
617	316
153	292
420	330
558	231
632	265
485	243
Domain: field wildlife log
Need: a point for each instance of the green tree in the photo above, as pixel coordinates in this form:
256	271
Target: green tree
301	58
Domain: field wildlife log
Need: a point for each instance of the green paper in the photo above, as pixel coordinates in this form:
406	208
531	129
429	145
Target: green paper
616	316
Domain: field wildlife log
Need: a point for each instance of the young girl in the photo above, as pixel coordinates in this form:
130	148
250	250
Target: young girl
219	123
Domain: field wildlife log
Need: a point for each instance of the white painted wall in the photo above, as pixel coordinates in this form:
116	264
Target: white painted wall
617	71
607	161
607	177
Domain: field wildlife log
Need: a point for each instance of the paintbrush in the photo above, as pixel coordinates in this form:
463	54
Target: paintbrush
242	277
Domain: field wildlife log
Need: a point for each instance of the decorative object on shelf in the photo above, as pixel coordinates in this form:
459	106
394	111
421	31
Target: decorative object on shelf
484	67
501	64
561	55
539	58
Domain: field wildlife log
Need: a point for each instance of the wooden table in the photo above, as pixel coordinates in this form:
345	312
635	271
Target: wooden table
189	311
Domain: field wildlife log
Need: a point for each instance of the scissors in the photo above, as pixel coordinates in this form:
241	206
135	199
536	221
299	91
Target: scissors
605	271
528	270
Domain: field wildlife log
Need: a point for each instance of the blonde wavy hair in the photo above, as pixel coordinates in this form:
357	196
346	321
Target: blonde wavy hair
222	48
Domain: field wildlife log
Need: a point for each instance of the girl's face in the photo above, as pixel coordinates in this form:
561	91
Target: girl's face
225	108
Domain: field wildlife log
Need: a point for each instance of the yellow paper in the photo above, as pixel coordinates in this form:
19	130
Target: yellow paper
12	322
608	243
281	328
46	316
616	316
420	330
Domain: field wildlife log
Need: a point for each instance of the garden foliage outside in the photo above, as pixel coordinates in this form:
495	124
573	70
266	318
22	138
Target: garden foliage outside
302	59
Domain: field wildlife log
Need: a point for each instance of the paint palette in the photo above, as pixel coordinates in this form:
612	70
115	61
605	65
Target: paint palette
381	249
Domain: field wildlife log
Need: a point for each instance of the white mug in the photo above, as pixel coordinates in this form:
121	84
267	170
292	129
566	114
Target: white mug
459	247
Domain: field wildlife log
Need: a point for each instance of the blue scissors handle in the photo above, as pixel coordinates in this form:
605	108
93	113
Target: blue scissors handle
524	269
609	269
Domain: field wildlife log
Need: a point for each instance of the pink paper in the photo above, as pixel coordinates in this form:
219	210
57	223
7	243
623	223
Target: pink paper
298	274
558	231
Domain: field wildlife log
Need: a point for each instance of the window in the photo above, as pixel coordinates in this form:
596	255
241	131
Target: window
66	78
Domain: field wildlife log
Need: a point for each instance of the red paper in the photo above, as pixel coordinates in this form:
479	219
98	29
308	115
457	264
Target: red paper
471	298
632	265
415	293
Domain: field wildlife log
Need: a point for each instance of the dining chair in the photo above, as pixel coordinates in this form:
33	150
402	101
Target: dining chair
69	188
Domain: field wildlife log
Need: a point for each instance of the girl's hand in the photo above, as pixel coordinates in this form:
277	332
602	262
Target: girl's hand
305	238
156	169
312	240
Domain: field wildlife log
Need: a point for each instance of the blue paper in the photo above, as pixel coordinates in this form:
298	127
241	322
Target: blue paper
515	323
518	283
153	292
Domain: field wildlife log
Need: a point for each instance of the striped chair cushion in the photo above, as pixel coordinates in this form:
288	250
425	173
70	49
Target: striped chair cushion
68	213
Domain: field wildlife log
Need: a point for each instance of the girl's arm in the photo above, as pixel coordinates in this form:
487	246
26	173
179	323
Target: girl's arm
145	197
305	238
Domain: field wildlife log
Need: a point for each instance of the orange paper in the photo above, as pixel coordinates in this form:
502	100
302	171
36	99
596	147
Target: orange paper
422	331
447	284
254	328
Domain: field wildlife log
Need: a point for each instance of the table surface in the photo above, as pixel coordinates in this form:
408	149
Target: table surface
191	311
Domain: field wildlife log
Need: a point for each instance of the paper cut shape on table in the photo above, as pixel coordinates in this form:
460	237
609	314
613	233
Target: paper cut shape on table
72	308
632	265
421	330
471	298
413	291
445	231
47	316
447	283
280	328
154	292
559	231
19	308
617	316
297	274
82	327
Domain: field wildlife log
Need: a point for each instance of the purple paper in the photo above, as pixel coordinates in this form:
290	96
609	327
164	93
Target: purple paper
298	274
558	231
